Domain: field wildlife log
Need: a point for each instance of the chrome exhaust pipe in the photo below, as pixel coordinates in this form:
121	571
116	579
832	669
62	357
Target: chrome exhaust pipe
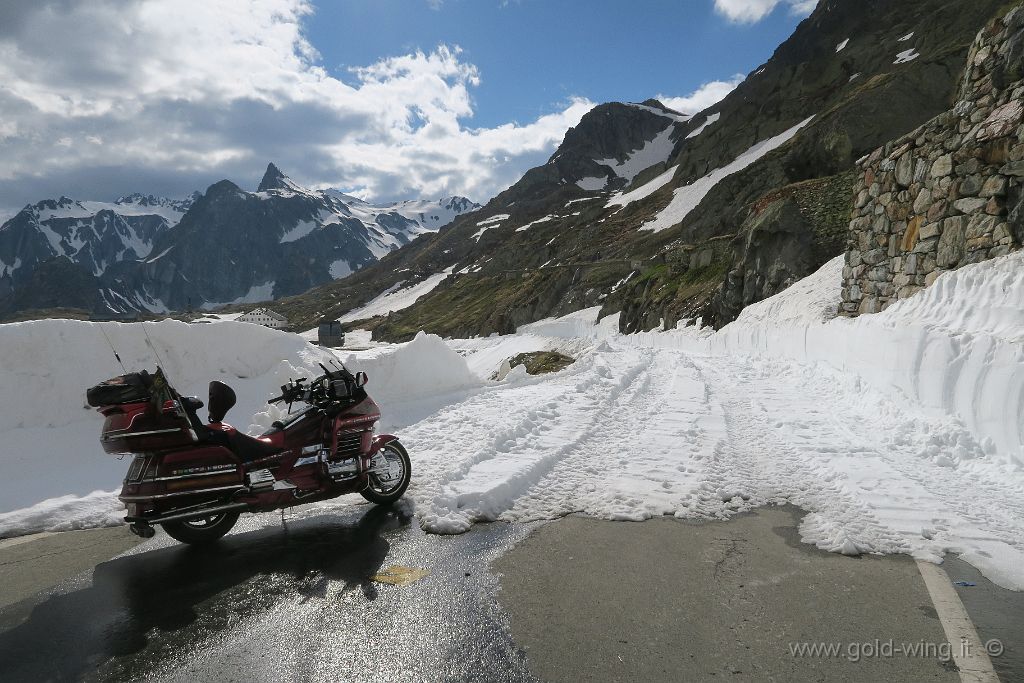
188	516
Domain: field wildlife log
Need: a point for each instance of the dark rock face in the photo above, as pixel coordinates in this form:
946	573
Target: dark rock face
55	283
274	179
229	246
788	234
773	253
609	132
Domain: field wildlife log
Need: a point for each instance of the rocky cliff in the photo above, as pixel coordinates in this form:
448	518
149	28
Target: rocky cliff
949	192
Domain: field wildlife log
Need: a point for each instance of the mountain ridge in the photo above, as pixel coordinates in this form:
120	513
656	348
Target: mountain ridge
151	254
553	246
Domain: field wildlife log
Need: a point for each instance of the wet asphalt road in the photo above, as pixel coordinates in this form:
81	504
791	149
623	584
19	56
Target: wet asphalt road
292	602
588	600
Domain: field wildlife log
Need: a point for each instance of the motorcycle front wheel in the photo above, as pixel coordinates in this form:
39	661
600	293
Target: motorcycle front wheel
204	530
389	486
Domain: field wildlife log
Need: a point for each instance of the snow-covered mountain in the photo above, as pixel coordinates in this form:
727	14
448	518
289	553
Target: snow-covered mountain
387	226
124	256
93	235
234	246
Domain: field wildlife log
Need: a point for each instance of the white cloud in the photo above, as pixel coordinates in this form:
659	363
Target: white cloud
163	90
703	97
752	11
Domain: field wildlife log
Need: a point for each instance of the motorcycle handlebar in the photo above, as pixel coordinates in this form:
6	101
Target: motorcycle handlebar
295	389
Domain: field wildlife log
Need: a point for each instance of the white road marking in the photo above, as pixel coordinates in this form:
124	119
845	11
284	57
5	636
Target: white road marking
18	540
968	652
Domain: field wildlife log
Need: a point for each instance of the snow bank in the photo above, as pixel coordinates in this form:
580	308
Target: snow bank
814	299
574	335
955	348
410	380
50	437
582	323
64	513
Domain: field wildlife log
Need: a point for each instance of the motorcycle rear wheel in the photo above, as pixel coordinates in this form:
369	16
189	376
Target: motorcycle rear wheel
386	493
199	531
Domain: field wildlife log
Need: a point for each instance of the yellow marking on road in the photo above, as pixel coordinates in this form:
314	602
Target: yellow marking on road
399	576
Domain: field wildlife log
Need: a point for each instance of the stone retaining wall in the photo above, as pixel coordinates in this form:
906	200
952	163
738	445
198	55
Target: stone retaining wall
949	193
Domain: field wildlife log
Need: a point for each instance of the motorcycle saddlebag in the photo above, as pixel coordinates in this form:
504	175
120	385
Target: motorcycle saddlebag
131	388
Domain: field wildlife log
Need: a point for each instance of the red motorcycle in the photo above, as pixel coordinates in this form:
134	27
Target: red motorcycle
195	479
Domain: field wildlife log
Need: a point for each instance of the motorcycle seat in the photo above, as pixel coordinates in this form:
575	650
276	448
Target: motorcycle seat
247	448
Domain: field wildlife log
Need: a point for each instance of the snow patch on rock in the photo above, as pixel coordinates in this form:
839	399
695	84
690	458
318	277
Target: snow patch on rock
685	199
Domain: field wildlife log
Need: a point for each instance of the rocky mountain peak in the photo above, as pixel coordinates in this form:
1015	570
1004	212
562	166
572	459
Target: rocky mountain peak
222	187
459	204
275	179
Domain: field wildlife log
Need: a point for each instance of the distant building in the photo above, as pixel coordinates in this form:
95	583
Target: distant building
265	317
329	333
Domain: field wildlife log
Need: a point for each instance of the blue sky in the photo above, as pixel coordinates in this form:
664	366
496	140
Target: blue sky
534	54
387	99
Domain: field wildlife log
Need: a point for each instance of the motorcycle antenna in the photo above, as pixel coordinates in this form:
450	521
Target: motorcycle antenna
153	346
160	360
104	332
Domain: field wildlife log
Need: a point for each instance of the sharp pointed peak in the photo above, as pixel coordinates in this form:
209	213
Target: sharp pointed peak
275	179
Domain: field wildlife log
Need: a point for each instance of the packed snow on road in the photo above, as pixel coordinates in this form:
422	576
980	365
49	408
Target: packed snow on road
898	432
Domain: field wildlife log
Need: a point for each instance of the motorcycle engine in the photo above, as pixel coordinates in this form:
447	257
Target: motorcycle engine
343	469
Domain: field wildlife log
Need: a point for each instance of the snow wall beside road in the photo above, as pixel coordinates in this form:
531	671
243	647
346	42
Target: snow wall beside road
955	348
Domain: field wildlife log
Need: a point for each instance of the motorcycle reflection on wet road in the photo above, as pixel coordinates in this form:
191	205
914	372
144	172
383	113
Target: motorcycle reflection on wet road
169	589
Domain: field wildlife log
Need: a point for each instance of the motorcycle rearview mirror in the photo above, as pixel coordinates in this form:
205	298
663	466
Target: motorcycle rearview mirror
361	379
222	398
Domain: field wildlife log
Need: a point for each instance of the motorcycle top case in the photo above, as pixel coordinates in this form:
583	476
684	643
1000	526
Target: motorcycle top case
135	387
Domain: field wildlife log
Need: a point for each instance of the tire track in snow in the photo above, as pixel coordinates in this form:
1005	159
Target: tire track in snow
499	474
938	513
635	463
897	499
629	432
756	465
